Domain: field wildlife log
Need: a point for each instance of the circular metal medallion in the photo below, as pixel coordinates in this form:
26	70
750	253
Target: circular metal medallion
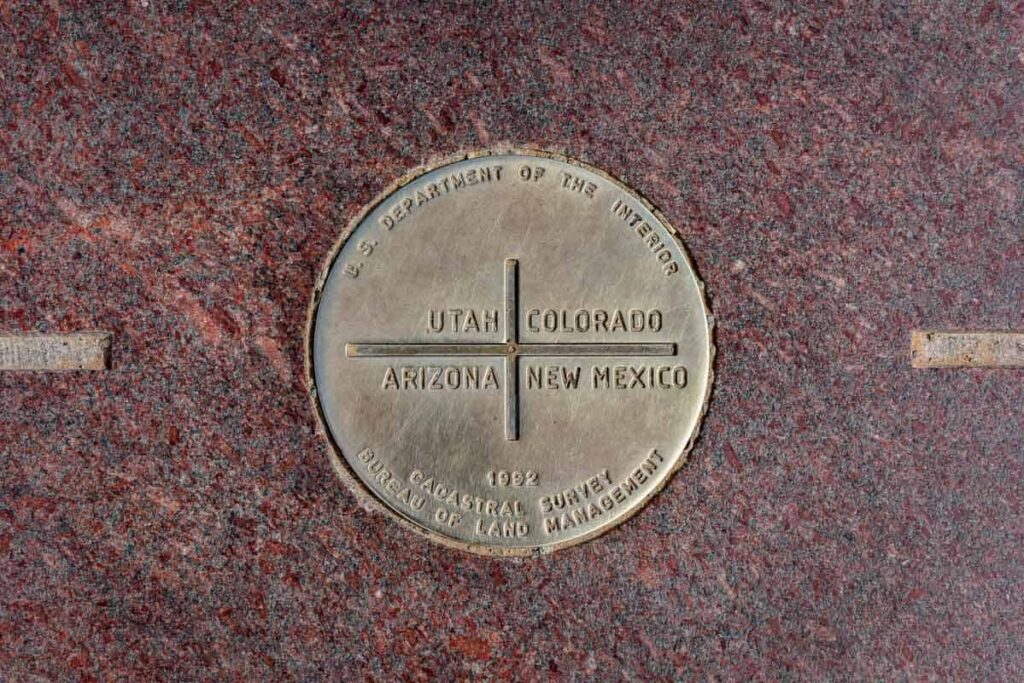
511	352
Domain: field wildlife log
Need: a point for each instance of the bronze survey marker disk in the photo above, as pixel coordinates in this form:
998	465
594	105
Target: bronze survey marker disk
511	352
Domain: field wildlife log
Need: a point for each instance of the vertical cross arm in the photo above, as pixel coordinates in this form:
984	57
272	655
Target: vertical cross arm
512	397
512	301
512	358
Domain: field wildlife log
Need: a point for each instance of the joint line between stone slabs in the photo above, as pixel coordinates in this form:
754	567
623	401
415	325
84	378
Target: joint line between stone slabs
55	352
966	349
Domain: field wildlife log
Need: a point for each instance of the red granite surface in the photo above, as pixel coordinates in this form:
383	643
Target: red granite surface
176	171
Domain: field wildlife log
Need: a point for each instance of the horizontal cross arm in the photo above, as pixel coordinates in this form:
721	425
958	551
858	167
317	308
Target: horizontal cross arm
373	350
413	349
598	349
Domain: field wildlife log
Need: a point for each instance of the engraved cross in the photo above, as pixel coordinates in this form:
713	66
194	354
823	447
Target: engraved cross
510	350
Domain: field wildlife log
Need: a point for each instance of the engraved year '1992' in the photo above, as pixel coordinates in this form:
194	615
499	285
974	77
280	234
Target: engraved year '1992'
500	478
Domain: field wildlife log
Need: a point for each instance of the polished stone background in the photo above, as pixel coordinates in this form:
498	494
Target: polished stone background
175	172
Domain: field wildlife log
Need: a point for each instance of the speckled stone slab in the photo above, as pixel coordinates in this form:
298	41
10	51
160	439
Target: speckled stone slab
176	172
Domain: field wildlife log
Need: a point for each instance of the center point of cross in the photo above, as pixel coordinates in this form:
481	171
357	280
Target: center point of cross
512	348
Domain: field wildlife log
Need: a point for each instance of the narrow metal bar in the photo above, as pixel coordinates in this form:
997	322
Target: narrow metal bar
54	352
941	349
511	300
414	349
471	349
484	349
512	398
597	349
